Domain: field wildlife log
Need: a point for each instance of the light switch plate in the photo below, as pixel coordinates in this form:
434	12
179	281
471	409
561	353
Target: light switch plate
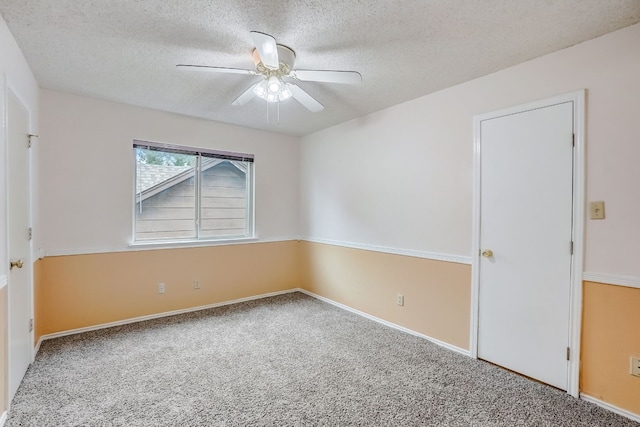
635	366
596	210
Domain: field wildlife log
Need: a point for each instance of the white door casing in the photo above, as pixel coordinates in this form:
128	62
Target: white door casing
526	297
19	284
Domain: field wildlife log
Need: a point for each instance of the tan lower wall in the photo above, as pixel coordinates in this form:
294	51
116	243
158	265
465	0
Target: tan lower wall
4	380
610	336
85	290
437	294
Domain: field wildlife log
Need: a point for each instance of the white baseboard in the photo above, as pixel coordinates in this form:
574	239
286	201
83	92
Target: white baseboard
610	407
3	418
386	323
220	304
154	316
36	349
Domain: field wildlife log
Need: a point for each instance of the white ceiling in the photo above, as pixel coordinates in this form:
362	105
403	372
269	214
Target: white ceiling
126	50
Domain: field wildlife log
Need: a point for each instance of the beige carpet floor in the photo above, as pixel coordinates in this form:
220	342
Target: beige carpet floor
289	360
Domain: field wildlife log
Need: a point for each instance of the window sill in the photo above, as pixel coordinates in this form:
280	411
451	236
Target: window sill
190	243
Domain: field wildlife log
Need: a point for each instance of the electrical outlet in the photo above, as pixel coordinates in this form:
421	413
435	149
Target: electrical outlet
161	288
400	299
635	366
196	284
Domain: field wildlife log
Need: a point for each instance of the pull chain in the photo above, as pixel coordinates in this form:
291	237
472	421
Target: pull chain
277	112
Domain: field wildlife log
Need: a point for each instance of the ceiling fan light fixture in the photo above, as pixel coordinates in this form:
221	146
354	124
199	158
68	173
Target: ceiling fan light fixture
274	84
261	89
272	89
285	92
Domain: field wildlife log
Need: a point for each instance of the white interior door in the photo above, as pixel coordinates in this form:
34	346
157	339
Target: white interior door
526	180
19	286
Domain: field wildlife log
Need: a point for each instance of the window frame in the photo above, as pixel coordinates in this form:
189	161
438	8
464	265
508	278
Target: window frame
199	153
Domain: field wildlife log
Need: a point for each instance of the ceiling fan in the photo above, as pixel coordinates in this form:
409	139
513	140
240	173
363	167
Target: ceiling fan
275	63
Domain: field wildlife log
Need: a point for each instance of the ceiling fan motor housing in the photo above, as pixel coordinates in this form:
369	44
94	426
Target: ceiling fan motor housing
286	57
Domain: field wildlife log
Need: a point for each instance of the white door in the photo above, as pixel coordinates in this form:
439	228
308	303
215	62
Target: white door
526	199
19	290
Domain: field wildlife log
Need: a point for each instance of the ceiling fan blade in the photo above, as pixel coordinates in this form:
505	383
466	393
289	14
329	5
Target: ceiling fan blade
328	76
304	98
267	49
245	96
207	68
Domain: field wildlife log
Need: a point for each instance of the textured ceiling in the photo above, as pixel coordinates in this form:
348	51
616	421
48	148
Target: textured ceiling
126	50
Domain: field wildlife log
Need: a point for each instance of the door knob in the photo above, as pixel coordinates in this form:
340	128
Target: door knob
17	263
487	253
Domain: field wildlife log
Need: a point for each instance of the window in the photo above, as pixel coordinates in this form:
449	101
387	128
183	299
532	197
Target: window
184	193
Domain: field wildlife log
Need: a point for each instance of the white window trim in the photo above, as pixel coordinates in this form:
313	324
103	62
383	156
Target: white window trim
191	243
197	241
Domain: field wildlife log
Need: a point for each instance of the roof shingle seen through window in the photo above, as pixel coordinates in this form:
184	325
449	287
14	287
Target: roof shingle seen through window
151	175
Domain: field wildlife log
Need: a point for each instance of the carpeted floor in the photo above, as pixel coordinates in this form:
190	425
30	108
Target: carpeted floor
289	360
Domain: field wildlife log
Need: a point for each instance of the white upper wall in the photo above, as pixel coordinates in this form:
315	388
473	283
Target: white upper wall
86	170
402	177
18	78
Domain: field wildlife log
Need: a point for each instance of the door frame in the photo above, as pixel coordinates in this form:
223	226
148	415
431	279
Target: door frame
8	88
578	221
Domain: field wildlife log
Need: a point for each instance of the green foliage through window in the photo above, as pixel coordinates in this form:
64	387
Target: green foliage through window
153	157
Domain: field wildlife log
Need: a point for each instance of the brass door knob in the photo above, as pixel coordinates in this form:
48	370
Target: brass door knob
487	253
17	263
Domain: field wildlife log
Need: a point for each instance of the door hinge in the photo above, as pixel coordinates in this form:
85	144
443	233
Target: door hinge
29	136
573	139
571	247
30	233
30	325
568	353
